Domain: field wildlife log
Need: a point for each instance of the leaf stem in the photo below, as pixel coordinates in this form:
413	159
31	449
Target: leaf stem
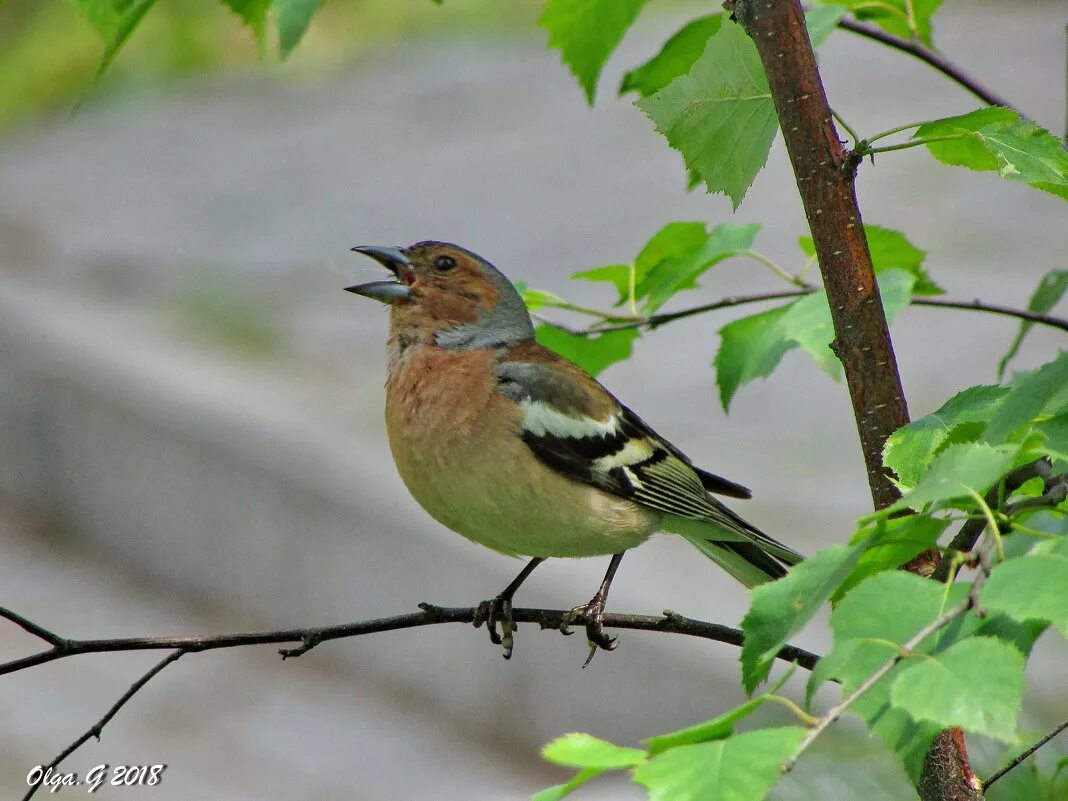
892	131
775	268
805	718
848	129
923	140
991	522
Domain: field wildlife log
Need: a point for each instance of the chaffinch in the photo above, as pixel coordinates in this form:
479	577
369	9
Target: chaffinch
516	448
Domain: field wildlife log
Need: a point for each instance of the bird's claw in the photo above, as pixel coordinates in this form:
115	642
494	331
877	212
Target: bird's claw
591	615
494	611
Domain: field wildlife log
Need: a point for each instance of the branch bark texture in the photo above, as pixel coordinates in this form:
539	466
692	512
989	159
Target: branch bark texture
825	172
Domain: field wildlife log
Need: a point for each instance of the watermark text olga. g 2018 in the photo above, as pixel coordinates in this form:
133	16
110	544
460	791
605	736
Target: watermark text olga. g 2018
97	777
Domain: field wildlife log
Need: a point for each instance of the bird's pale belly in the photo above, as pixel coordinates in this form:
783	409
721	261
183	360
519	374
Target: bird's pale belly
589	523
503	499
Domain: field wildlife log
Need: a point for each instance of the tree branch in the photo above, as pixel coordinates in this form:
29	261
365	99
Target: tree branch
31	627
308	638
936	60
825	172
98	727
656	320
1017	760
992	308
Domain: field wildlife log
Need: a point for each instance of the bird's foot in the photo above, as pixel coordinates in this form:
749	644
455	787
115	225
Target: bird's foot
591	615
494	611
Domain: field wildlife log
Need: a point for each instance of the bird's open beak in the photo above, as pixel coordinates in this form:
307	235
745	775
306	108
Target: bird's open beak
395	260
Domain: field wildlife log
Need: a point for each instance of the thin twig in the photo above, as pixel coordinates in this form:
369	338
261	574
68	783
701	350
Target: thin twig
939	62
1012	764
993	308
308	638
657	320
29	626
98	727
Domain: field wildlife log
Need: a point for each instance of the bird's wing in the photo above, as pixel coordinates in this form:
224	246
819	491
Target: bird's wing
575	426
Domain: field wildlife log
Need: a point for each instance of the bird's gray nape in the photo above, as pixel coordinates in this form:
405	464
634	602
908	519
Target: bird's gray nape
508	323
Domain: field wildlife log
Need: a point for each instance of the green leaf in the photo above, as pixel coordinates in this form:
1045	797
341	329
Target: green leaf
781	608
912	448
1046	295
719	115
1030	588
741	768
1055	432
958	471
1027	397
253	13
822	21
293	18
753	346
808	322
1030	154
616	274
592	353
976	684
114	21
890	544
750	348
586	32
844	764
535	299
680	52
998	139
893	16
674	59
715	729
873	620
578	750
558	791
671	243
684	264
890	250
967	151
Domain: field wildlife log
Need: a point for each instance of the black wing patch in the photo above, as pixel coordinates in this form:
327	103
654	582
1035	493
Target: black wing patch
622	455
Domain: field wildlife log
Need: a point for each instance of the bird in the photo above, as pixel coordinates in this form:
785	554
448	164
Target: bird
518	449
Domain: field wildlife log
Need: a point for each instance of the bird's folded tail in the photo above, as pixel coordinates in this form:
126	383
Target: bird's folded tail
751	561
743	560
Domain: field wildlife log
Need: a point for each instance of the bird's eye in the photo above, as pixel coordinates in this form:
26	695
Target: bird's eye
444	263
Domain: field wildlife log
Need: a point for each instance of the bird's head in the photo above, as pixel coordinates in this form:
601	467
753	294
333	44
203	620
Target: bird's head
446	295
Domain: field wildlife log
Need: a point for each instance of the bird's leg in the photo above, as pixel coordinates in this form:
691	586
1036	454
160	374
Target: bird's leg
499	609
592	614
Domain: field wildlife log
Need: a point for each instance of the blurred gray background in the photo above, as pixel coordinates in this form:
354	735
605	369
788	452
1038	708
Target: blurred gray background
190	408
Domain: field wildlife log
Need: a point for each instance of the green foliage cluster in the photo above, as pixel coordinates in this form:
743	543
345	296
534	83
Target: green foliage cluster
912	656
937	660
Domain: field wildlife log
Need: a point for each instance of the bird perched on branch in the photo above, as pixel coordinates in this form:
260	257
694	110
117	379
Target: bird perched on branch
516	448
